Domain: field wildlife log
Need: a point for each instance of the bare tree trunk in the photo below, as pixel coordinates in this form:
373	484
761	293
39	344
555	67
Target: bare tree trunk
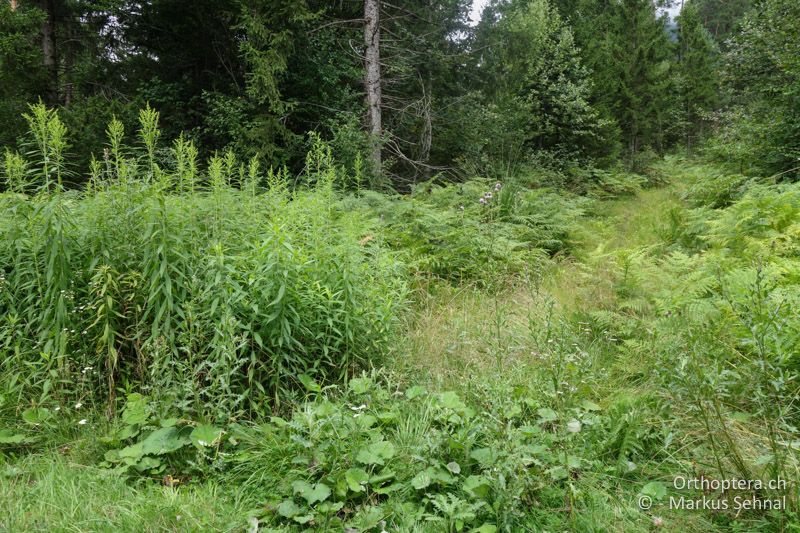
426	136
372	78
69	63
49	51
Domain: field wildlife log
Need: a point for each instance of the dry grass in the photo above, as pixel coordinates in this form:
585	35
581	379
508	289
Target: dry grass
463	333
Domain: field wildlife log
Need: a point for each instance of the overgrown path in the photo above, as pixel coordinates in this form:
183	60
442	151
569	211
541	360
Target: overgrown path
615	228
558	334
651	318
546	398
459	331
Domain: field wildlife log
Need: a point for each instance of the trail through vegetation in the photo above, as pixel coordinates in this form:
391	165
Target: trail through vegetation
555	397
377	266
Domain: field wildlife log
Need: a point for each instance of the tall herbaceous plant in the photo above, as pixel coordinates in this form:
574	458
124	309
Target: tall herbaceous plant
210	287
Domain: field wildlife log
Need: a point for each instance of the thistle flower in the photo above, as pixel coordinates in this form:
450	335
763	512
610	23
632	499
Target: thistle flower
488	195
498	186
482	201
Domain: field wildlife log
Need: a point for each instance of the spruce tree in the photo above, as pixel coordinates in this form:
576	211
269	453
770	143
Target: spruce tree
537	75
697	76
641	53
722	18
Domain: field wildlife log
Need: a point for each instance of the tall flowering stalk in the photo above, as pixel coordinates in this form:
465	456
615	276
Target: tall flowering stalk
491	205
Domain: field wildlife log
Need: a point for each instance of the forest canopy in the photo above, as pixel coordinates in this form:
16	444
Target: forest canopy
560	82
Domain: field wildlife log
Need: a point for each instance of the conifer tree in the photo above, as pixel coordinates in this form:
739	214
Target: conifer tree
641	53
537	74
626	47
697	77
722	18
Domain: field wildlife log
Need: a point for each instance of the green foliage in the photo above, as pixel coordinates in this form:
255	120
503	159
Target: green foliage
716	189
21	76
207	295
626	47
540	82
561	415
722	18
567	80
410	458
642	65
475	230
696	73
144	445
188	335
761	69
722	299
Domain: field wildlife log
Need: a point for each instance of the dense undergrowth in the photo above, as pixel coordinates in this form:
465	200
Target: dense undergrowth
204	290
549	358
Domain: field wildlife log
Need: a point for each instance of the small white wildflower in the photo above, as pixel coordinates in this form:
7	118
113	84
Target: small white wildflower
498	186
658	521
359	408
574	426
82	422
78	405
57	408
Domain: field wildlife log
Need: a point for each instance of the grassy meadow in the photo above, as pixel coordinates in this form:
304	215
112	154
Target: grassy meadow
214	346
